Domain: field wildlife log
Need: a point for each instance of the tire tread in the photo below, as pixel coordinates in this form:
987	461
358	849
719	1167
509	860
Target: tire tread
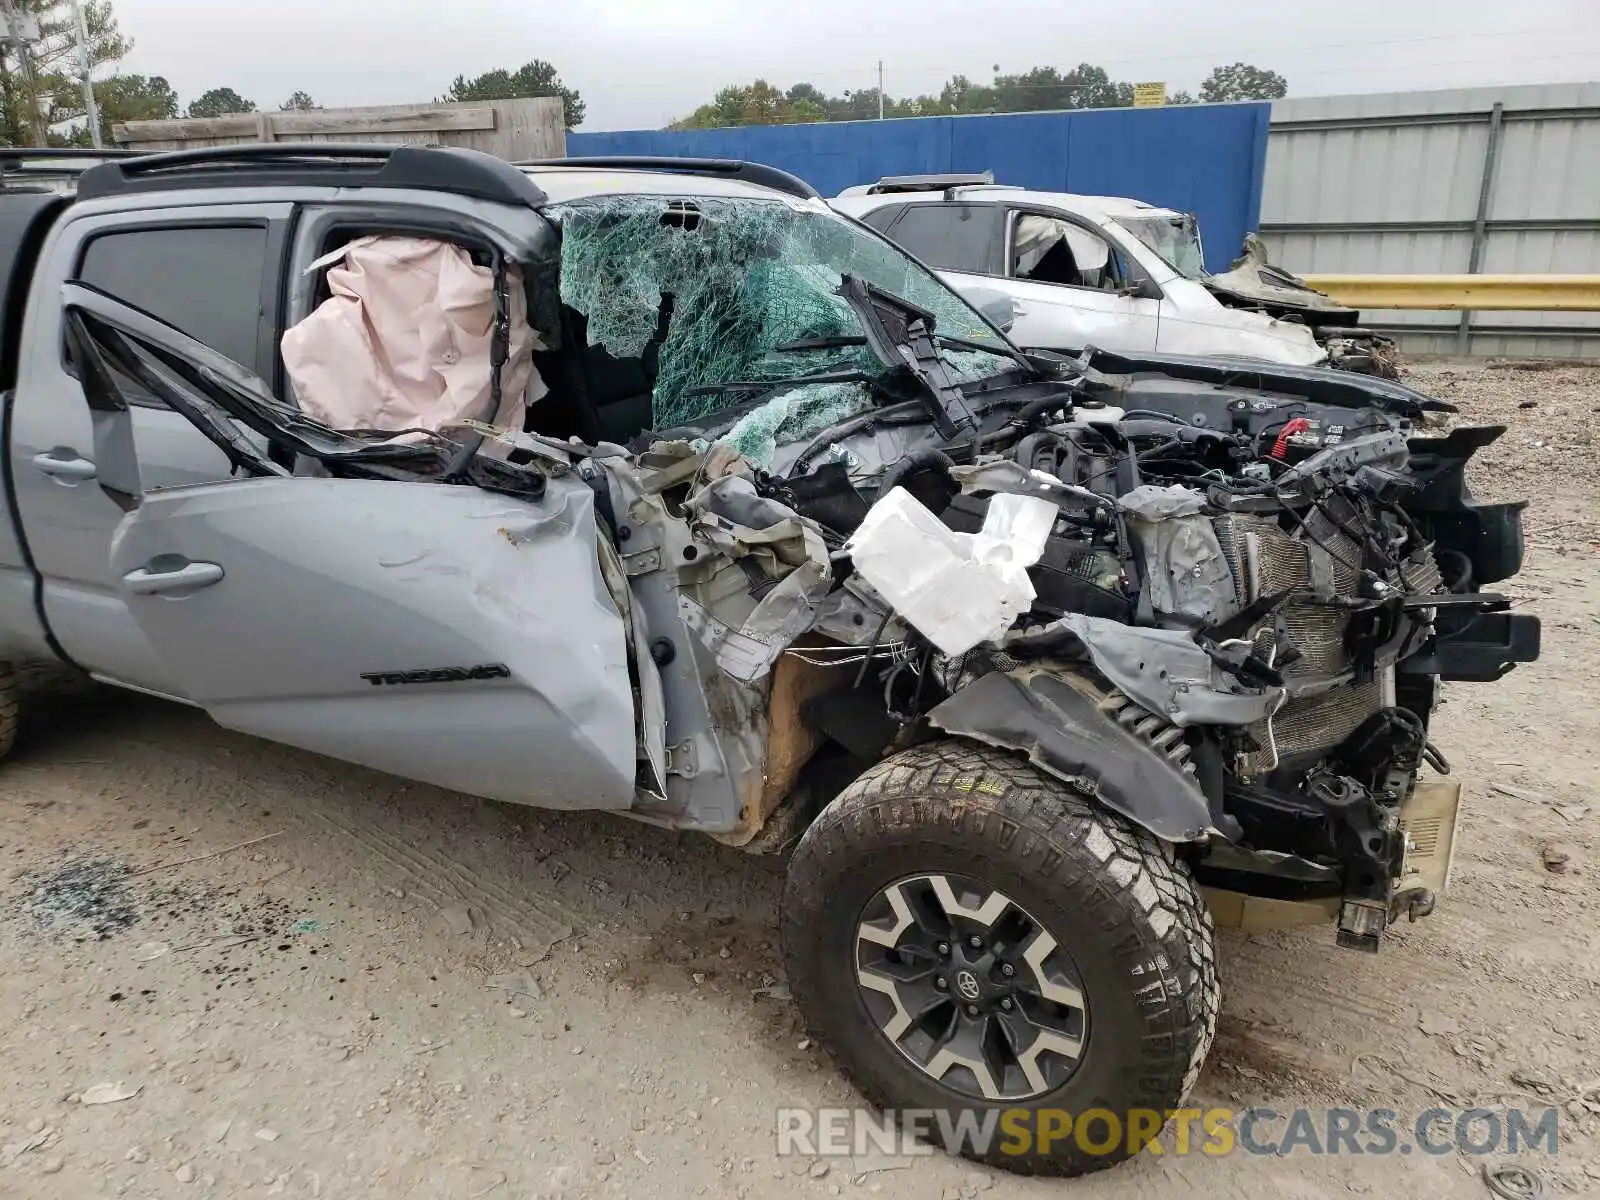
1143	896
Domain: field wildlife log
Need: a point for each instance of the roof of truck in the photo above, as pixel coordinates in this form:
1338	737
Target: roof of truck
450	170
565	184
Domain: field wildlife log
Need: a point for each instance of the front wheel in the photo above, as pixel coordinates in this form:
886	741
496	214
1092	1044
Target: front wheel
979	945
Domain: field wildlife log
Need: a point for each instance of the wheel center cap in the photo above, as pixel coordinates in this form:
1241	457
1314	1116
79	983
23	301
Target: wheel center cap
967	984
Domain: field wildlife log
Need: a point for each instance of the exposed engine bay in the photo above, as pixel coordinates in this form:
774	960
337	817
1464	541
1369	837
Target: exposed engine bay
1231	629
1262	585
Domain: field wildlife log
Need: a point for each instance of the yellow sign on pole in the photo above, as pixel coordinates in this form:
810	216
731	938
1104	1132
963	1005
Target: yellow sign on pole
1149	95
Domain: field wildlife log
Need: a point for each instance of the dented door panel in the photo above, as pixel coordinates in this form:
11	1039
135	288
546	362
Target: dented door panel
443	634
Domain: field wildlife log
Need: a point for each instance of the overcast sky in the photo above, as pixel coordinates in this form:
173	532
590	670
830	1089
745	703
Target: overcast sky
640	63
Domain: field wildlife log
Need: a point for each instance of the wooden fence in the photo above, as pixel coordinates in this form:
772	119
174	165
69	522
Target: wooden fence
510	129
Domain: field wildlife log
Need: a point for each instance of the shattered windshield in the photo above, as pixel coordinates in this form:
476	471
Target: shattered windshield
1175	238
714	291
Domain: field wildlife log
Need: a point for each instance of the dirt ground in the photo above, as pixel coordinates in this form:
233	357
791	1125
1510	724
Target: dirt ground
362	988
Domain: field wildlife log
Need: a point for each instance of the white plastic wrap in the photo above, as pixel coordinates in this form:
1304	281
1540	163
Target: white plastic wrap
955	589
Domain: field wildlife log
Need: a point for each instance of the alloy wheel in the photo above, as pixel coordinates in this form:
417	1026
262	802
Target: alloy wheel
970	987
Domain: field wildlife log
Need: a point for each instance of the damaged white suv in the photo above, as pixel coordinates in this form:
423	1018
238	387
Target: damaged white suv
660	488
1111	272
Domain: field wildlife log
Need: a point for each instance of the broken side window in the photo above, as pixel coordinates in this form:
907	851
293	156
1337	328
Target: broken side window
405	340
718	290
1176	238
1050	250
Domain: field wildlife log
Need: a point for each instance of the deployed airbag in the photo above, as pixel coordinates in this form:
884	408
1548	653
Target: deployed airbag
404	341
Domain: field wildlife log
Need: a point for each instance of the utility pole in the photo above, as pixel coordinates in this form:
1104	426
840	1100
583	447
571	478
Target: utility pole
880	89
19	30
91	110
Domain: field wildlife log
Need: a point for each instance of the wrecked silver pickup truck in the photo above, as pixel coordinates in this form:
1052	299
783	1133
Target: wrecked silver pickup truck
742	522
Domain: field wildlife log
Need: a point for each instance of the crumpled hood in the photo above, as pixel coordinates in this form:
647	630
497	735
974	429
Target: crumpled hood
1252	277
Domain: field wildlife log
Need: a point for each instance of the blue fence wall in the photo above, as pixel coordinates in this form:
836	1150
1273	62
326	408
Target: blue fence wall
1206	159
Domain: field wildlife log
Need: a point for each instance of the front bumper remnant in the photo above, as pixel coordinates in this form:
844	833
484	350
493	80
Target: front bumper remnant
1475	646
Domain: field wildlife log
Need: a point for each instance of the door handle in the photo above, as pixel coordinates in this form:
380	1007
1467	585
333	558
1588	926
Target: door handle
59	464
163	575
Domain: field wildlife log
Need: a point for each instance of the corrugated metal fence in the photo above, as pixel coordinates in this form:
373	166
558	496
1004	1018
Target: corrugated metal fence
1485	180
1205	159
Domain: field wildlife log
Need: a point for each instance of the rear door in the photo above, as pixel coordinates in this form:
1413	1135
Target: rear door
213	271
962	242
441	632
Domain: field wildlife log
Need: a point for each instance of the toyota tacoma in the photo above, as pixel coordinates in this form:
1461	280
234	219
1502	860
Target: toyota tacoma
660	488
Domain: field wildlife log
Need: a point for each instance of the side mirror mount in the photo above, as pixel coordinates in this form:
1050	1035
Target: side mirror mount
1142	288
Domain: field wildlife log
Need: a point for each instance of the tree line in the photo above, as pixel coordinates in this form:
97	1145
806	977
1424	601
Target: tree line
1037	90
41	90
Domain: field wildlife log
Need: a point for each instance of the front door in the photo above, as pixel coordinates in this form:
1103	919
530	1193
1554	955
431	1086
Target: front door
440	633
1071	289
447	633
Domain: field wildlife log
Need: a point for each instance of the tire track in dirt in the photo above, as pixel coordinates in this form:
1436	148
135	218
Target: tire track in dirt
396	825
402	830
448	883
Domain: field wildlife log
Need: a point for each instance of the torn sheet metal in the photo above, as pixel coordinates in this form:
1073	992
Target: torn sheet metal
855	615
1186	572
1253	277
784	556
1150	503
1163	670
404	341
1007	475
642	666
725	580
712	763
957	589
554	456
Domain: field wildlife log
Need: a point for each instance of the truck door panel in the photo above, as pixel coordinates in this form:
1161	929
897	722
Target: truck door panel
440	633
468	636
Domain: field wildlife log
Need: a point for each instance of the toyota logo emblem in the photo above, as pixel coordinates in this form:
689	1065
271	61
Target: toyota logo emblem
967	985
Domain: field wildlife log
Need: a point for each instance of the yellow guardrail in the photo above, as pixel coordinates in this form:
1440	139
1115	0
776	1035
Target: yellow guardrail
1548	293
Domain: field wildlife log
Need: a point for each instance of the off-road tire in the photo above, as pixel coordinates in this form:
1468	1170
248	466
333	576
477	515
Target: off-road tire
11	688
1125	909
